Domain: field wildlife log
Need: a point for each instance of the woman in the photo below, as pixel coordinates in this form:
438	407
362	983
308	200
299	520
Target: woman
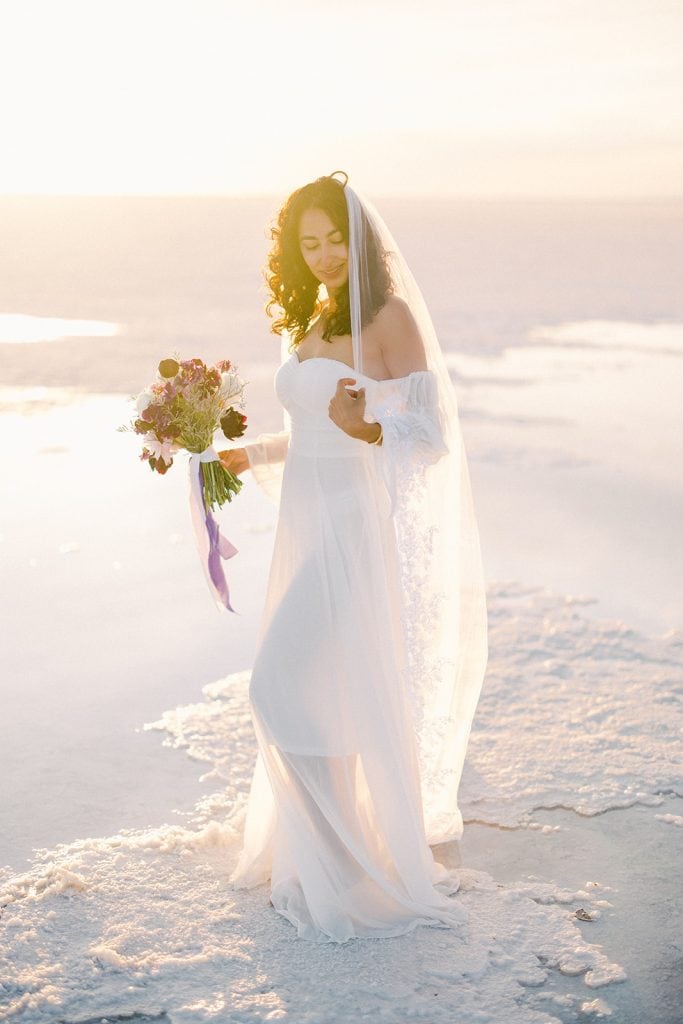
373	639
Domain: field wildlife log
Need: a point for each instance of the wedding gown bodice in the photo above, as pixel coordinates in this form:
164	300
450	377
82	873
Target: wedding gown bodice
305	389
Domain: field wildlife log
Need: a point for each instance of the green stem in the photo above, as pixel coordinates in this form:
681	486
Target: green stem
219	484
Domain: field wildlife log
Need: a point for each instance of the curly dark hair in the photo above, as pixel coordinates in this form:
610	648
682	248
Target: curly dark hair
294	287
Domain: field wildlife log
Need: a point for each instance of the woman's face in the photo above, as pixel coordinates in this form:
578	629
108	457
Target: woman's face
323	248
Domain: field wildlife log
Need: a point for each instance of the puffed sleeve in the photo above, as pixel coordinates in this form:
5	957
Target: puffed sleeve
413	437
266	456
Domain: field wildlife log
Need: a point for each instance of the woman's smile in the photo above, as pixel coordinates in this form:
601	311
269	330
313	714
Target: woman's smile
331	273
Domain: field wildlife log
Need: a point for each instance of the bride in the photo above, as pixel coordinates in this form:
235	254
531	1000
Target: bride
372	644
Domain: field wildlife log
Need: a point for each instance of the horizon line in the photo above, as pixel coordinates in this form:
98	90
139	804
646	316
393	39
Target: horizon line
422	196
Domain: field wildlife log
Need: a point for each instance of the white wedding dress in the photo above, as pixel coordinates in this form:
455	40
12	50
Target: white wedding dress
335	816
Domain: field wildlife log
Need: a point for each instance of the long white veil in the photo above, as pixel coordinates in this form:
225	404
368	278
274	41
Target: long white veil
445	621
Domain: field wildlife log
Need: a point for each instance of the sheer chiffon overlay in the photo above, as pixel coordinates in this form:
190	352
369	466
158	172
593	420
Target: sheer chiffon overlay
358	767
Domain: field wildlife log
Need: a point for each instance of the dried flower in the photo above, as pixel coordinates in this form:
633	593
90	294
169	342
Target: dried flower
233	424
182	409
168	367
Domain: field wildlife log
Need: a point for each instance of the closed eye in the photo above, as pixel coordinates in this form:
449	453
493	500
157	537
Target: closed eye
335	241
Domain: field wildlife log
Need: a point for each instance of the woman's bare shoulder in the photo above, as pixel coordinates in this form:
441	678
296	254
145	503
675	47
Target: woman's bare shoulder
395	320
397	339
394	310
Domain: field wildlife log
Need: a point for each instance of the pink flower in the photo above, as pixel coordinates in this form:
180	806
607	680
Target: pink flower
159	449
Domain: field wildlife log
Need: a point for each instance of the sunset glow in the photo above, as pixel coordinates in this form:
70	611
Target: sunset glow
464	98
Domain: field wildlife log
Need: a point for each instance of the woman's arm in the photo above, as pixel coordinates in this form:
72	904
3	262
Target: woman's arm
267	449
402	350
234	459
264	457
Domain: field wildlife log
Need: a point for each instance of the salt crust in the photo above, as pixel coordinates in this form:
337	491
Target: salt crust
574	713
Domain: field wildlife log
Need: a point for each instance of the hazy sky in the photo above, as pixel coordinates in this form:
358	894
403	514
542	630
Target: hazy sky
468	97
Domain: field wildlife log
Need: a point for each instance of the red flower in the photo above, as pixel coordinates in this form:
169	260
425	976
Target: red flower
159	465
233	424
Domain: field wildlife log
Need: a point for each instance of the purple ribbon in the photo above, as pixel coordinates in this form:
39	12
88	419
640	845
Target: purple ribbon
212	545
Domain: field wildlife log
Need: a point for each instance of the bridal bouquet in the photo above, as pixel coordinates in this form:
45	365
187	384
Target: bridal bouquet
181	411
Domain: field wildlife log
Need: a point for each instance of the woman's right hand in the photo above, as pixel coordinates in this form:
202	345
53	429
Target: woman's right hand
234	459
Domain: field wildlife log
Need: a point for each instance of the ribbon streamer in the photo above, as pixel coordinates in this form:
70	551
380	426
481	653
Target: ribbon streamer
211	544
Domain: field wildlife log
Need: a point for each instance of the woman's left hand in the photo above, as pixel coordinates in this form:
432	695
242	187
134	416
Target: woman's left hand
347	410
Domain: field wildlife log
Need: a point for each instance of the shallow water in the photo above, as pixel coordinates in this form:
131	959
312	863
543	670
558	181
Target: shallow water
564	336
641	929
181	942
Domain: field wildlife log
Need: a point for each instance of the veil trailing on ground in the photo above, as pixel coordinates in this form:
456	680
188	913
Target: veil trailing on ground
424	465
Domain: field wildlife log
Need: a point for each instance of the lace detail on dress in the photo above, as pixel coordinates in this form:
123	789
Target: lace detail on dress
413	441
425	668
